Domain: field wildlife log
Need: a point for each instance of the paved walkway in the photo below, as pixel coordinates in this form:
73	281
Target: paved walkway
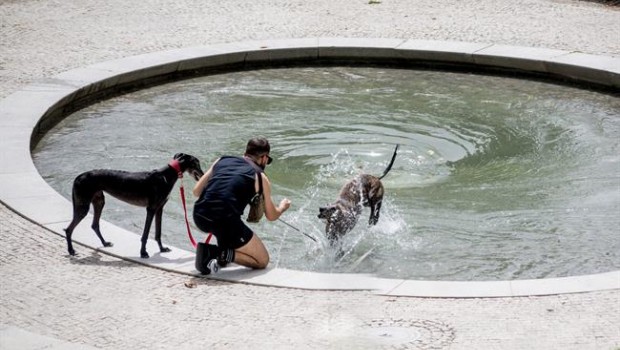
48	300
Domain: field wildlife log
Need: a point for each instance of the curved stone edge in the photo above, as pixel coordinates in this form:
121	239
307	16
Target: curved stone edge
34	109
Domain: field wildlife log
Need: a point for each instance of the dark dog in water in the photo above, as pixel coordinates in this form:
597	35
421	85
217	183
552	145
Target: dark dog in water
362	191
149	189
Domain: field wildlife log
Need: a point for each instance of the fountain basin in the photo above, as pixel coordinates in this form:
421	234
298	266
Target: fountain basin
29	113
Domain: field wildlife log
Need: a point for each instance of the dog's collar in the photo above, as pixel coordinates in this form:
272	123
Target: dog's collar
174	164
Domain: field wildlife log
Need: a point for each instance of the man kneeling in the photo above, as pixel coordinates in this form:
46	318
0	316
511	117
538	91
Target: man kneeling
230	184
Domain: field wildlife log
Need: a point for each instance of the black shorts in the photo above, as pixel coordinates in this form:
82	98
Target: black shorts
231	232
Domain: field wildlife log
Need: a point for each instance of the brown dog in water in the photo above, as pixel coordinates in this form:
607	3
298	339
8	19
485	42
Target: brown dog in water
362	191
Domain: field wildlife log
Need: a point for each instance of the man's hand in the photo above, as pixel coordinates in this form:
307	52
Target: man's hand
284	205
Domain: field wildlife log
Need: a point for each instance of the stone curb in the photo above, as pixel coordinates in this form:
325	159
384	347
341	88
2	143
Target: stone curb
30	112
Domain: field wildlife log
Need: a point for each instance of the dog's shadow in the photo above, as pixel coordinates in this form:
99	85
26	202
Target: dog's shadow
95	258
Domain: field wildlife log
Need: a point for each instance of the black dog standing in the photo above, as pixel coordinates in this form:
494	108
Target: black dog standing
149	189
363	190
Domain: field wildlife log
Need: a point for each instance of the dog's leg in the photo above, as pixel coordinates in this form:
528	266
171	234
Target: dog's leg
150	213
98	203
79	213
375	210
158	217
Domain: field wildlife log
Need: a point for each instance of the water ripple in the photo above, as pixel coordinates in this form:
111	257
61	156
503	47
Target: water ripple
496	178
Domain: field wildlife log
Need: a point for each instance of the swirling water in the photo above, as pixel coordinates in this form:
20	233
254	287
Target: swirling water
496	178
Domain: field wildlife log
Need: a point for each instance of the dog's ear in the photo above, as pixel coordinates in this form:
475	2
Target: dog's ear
322	212
326	212
184	159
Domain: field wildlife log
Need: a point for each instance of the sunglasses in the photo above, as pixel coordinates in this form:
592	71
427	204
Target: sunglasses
269	159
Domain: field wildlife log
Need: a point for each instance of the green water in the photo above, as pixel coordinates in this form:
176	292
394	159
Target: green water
496	178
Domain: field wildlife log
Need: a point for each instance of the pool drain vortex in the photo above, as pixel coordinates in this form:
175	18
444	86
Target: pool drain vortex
410	334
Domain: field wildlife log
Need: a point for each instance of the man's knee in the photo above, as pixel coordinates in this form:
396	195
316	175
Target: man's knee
262	262
257	251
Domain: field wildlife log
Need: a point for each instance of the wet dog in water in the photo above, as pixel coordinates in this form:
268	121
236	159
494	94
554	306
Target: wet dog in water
362	191
148	189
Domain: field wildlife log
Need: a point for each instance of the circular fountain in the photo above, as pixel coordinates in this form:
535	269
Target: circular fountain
498	178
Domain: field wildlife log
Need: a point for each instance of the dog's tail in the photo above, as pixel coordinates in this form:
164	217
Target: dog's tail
389	167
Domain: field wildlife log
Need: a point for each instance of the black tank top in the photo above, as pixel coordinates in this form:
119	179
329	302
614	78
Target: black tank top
229	190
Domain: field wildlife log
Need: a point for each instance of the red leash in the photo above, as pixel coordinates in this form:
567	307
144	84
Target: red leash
175	165
189	231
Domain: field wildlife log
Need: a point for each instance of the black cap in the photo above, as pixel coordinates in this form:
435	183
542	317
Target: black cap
259	146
